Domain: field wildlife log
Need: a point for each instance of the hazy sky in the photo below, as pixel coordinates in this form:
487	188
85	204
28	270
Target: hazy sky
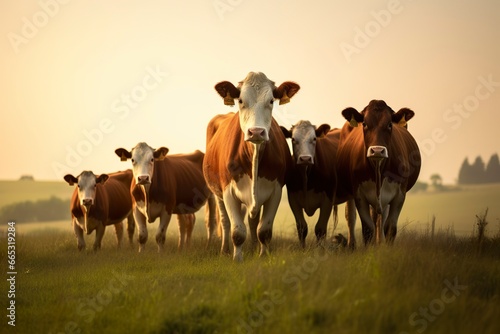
82	78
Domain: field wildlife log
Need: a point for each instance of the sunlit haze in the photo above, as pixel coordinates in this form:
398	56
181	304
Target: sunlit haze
82	78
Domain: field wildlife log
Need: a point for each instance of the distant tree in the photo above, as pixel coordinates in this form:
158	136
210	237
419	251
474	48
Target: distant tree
436	180
493	169
465	174
478	171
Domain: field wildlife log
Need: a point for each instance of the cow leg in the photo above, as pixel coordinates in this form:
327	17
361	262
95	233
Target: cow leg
322	224
211	221
186	225
265	230
378	219
367	224
350	216
130	228
225	224
80	241
182	221
300	221
391	225
119	233
99	233
253	223
142	230
238	228
161	233
189	229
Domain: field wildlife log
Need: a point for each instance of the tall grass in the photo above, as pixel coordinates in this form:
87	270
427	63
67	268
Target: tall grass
382	289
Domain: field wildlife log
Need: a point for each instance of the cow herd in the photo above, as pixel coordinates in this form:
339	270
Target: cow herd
369	164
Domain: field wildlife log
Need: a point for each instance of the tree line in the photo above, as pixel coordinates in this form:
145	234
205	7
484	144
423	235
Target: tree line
478	172
43	210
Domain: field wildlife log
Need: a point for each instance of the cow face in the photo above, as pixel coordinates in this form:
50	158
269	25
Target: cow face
255	96
377	120
87	184
143	157
304	135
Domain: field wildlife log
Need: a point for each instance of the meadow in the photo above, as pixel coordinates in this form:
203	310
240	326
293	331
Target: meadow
424	283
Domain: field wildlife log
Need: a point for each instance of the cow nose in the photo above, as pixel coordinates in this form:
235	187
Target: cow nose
257	135
377	152
305	160
87	202
143	179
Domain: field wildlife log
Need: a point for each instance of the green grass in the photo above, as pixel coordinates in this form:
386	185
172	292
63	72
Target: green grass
384	289
371	290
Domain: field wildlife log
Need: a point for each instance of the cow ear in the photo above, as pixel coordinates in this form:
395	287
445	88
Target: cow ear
287	133
70	179
102	178
123	154
352	116
286	91
160	153
403	116
322	130
228	92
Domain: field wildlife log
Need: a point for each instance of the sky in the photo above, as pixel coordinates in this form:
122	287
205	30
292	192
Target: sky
82	78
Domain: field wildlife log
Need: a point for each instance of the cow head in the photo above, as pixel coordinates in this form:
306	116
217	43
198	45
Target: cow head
87	183
256	95
377	120
303	135
143	157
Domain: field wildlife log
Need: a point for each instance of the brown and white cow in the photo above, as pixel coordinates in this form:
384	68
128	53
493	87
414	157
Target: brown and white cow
164	185
247	159
378	162
99	201
313	181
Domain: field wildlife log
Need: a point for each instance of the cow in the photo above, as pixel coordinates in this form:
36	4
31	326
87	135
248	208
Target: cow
99	201
164	185
378	162
313	181
247	160
186	226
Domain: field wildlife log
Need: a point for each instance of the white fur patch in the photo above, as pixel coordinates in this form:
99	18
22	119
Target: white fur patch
388	191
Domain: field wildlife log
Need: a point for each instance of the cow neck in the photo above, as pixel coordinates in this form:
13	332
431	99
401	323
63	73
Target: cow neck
258	150
304	172
378	166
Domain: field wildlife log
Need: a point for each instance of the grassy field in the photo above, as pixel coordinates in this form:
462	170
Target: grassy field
422	284
441	285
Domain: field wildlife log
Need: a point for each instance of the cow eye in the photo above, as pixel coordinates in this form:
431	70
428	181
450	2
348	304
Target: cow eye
152	160
132	160
364	125
240	101
389	126
272	101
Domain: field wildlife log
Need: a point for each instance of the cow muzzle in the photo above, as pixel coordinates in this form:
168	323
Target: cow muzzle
87	203
377	152
305	160
257	135
143	179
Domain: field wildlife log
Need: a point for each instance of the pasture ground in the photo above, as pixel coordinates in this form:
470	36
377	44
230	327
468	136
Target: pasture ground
422	284
438	285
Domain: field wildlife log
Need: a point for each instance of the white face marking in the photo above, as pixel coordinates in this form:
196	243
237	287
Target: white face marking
304	143
142	163
86	188
256	103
